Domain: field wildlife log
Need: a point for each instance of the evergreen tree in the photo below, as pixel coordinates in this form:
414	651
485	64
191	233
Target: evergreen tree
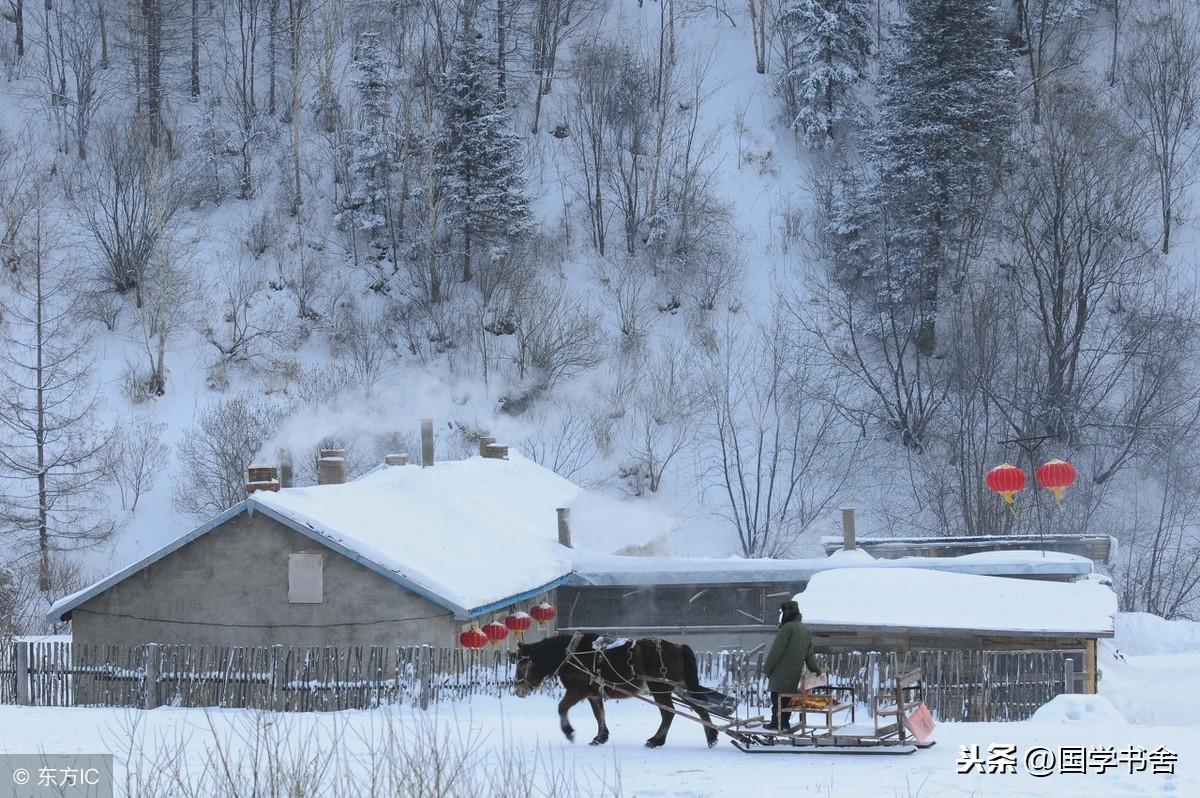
827	44
368	192
479	164
946	109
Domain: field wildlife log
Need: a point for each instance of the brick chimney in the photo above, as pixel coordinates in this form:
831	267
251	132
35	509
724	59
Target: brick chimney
395	459
333	467
262	477
494	451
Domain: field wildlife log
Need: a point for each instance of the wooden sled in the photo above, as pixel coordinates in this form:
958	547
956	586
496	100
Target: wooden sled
901	722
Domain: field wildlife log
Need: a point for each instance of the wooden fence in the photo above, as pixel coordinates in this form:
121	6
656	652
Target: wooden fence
960	685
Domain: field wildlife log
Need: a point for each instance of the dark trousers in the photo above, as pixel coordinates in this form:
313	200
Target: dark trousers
778	719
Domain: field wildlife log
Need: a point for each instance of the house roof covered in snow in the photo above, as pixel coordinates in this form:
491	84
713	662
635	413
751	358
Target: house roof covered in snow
603	569
1099	548
470	535
906	599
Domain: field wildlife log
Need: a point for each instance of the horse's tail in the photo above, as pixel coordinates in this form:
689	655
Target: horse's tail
691	674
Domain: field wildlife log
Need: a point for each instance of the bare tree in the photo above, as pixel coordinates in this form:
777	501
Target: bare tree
560	438
1075	217
758	27
775	454
248	326
128	198
552	23
53	452
138	458
214	455
79	35
661	418
555	337
1049	30
1161	82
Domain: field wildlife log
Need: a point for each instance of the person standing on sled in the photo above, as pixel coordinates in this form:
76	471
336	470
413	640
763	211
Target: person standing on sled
791	651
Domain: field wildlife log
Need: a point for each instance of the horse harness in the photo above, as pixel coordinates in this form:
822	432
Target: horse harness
631	684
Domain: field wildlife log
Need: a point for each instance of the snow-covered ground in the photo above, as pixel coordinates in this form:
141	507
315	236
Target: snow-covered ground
1148	700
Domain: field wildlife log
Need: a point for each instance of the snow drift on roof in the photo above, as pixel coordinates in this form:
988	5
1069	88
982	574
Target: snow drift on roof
914	597
472	531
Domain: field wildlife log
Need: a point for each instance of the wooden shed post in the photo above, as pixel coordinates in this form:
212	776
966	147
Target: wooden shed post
1068	674
425	675
150	696
23	695
848	541
1093	673
278	659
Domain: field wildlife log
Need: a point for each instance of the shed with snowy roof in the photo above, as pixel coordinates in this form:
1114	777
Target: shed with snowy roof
403	555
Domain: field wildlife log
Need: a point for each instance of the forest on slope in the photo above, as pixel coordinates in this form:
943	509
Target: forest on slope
749	262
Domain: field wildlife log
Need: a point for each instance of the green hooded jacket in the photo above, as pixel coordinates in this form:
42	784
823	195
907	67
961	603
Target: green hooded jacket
790	652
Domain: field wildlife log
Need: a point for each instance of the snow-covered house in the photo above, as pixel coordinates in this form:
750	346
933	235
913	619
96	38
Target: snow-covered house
402	555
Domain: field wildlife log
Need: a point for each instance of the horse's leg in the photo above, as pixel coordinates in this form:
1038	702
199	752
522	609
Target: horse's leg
597	703
662	695
569	700
710	733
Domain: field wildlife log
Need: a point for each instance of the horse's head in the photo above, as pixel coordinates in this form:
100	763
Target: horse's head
529	673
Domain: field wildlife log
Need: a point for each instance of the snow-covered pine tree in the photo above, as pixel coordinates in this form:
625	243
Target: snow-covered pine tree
206	160
828	44
479	163
371	146
946	108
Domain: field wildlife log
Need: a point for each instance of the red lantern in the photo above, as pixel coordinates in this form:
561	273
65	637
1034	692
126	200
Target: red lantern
518	623
495	631
1006	480
543	613
1056	476
473	638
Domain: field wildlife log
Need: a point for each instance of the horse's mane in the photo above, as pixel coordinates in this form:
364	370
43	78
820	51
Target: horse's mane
549	653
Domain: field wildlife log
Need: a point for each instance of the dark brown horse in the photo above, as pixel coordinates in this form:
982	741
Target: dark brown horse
595	669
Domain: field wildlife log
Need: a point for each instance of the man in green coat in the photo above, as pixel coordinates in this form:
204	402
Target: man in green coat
790	653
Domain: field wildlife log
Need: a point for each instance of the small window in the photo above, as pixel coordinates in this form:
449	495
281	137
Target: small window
305	580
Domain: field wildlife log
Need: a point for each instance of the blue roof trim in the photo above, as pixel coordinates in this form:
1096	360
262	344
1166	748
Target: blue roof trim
528	594
62	607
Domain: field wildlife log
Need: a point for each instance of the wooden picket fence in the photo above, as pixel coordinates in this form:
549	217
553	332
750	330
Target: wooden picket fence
960	685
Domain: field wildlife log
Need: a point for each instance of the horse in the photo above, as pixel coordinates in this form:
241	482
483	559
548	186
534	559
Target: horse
591	668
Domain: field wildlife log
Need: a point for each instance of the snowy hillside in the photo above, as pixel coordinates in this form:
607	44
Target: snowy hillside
743	263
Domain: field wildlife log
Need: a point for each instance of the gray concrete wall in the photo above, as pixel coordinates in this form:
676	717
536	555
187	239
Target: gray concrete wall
230	587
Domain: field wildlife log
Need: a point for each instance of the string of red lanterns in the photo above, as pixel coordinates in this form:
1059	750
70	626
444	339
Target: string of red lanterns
517	622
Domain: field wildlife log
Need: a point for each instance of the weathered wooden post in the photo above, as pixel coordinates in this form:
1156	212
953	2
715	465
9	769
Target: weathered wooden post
426	442
150	694
278	660
425	676
23	694
848	541
1069	675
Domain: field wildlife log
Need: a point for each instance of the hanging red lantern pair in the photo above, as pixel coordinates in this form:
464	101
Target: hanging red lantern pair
1055	475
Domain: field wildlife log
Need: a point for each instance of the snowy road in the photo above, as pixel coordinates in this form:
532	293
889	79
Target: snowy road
685	767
